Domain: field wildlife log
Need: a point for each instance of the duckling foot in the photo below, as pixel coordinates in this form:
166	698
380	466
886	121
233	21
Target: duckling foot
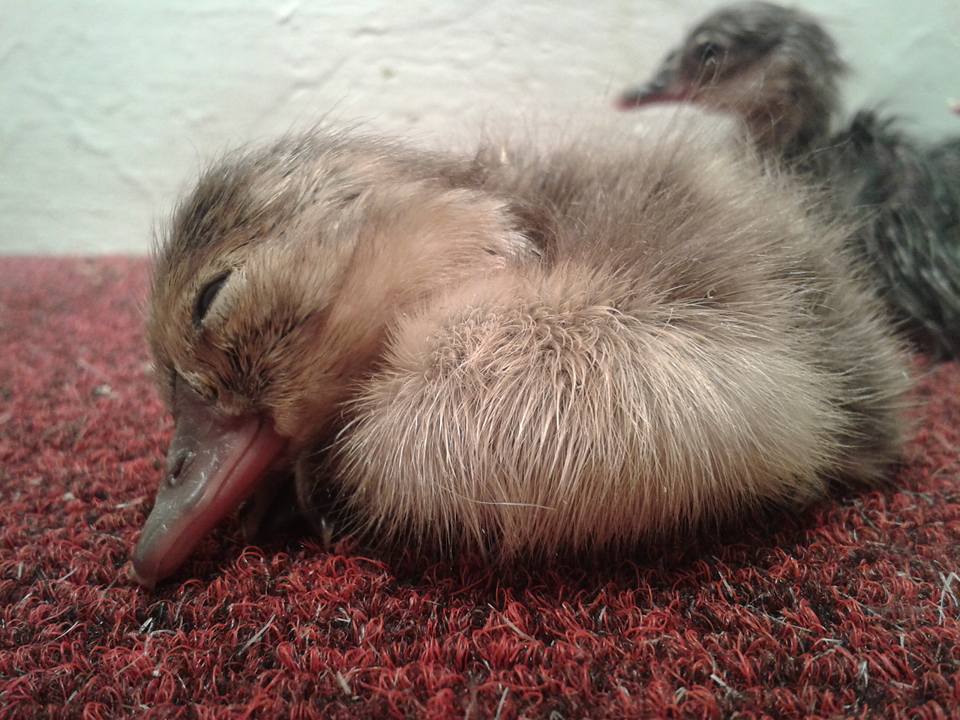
277	509
316	501
272	507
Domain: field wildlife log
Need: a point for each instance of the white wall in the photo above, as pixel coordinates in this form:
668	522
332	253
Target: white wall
109	107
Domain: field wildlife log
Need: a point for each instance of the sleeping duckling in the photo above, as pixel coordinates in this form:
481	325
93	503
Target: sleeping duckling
777	70
553	354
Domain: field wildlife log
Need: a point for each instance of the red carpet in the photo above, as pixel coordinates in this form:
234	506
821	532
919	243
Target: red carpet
851	610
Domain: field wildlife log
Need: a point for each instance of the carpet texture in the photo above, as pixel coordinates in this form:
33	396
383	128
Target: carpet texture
851	609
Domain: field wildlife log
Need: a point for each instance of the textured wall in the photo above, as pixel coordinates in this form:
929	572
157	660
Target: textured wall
109	107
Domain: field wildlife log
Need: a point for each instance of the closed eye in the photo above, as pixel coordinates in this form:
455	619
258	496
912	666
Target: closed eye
206	296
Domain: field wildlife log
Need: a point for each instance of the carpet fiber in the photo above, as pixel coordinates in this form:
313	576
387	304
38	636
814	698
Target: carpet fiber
850	609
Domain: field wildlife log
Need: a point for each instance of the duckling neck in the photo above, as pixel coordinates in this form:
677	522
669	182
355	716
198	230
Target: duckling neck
788	107
407	257
798	128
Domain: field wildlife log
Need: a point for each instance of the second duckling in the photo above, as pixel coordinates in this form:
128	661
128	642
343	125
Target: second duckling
778	70
563	352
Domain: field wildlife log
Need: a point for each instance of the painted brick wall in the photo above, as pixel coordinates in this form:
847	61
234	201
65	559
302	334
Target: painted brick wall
110	106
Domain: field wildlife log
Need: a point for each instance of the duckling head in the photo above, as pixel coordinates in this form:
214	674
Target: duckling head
273	288
774	67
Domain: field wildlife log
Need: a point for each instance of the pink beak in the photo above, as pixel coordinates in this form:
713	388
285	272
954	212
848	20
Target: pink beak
653	93
213	465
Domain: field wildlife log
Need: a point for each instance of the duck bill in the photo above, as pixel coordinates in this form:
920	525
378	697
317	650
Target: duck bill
653	93
213	465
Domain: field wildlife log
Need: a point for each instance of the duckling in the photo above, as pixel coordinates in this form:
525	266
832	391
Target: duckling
546	354
777	69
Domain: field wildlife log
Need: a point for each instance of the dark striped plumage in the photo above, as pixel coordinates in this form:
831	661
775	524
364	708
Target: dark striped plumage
777	69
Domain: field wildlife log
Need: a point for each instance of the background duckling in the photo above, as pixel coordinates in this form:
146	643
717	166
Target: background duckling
777	69
554	353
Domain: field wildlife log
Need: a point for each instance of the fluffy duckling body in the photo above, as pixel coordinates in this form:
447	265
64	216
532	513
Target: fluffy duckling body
559	353
777	69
